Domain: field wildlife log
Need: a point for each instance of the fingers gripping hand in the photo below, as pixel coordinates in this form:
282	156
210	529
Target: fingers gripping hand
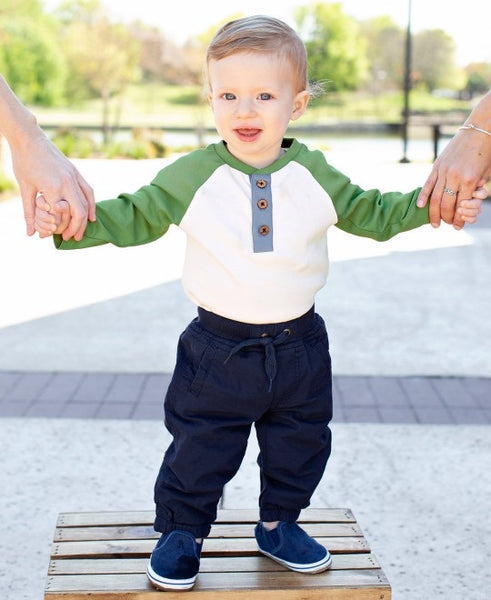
81	208
62	212
41	168
441	195
447	197
50	220
468	210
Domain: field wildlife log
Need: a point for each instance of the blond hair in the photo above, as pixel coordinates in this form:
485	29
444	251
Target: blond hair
261	34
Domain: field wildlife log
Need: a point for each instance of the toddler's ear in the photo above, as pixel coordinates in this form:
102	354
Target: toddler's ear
300	104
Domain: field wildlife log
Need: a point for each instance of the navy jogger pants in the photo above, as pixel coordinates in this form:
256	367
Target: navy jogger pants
229	376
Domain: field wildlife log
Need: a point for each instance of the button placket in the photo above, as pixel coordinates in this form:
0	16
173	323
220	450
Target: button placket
262	213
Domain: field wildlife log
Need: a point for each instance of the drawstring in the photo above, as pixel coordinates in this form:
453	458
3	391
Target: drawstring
269	344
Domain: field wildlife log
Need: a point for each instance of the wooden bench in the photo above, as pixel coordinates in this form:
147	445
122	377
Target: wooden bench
103	556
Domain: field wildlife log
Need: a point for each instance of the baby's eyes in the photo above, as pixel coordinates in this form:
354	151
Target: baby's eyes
262	96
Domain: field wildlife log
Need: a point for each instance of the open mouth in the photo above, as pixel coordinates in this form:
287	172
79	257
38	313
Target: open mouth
248	134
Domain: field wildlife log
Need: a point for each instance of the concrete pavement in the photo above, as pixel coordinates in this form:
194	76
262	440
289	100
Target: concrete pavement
420	493
416	307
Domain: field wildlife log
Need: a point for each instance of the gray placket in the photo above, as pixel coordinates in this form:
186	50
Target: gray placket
262	213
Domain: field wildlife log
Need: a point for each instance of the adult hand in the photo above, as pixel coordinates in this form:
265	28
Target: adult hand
461	168
40	168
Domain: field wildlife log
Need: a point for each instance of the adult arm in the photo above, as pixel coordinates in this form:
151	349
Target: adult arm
464	165
40	167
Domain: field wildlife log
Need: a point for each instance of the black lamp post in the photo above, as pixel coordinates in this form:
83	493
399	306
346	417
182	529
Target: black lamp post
407	86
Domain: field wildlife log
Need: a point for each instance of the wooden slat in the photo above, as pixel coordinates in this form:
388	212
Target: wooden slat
103	556
100	566
146	517
233	564
223	581
245	546
136	532
109	532
341	593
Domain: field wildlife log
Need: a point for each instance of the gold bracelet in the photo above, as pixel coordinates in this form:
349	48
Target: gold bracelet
472	126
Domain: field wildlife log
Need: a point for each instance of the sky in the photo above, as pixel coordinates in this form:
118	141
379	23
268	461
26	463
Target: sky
467	23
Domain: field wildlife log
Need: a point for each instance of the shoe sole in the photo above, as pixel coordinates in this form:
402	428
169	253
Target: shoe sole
317	567
163	583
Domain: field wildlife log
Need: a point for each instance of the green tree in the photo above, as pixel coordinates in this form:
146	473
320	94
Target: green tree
161	59
30	59
386	57
21	8
434	63
337	53
103	57
478	79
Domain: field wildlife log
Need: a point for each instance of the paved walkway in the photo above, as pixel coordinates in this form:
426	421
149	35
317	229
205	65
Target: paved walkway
423	400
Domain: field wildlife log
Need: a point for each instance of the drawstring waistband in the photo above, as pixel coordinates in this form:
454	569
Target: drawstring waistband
251	334
269	343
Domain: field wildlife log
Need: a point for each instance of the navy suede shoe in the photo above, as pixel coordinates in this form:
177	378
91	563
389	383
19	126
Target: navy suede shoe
174	563
289	545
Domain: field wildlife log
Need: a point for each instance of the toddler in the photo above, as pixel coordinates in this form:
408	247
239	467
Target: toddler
255	208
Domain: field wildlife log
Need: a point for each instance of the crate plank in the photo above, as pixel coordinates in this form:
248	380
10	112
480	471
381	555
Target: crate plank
220	564
223	581
103	556
146	517
226	546
136	532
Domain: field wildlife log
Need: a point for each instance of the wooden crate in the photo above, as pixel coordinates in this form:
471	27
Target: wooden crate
103	556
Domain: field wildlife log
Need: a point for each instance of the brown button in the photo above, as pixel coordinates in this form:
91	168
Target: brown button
262	204
261	183
264	230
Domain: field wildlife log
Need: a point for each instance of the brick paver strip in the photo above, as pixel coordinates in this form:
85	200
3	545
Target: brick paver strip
362	399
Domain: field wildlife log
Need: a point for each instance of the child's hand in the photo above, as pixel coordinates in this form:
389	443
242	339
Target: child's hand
50	222
468	210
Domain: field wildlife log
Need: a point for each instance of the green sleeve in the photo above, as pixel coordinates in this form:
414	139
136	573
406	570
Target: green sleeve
380	216
368	213
128	220
144	216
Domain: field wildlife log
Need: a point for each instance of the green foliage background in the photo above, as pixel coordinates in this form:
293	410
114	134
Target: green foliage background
76	66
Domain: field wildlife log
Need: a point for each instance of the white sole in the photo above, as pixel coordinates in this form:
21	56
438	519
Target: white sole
163	583
317	567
